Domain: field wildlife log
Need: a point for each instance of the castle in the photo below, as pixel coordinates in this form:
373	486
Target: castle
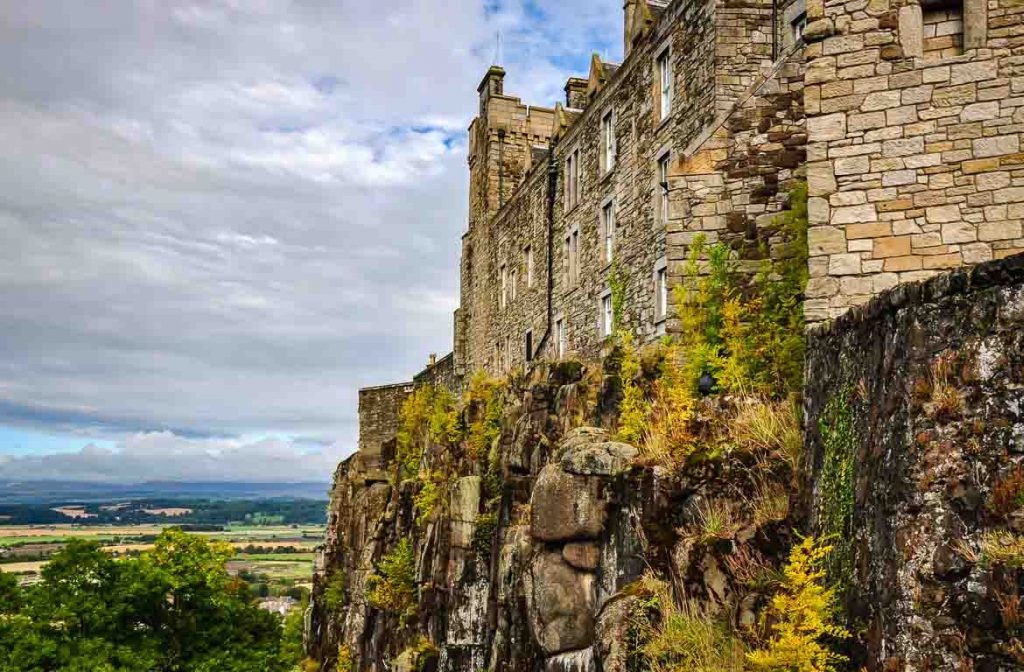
904	117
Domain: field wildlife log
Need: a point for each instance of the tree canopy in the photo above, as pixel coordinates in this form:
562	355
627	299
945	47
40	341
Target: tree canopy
173	608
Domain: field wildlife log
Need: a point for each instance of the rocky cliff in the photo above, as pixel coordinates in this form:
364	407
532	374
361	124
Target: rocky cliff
512	531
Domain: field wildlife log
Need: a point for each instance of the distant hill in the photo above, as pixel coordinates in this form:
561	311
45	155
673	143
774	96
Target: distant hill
59	492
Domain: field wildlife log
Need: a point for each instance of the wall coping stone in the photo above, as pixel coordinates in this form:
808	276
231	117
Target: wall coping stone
996	273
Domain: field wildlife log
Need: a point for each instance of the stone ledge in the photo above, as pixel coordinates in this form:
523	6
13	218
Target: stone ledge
983	276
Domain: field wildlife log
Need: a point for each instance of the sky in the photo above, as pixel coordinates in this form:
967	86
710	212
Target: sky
219	219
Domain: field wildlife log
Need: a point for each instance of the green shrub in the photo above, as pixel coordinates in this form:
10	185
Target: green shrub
425	500
334	591
484	527
484	396
392	587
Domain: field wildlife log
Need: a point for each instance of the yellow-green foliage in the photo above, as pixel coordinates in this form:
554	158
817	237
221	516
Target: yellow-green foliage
749	341
802	614
344	663
635	409
429	494
392	587
484	394
687	638
429	413
1002	548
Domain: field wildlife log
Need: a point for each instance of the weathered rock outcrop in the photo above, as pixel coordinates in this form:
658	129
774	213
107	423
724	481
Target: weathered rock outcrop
523	562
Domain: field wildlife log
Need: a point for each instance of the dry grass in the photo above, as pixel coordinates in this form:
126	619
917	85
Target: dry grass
946	399
715	519
687	637
769	428
1007	494
769	503
1002	548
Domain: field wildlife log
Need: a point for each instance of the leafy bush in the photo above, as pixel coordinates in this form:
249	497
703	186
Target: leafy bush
802	616
344	663
392	587
334	591
484	396
484	527
428	414
174	607
429	494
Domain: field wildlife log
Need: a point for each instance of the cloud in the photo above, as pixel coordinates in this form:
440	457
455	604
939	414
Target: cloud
164	456
221	218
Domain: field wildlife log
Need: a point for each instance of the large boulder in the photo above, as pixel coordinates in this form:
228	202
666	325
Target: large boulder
566	507
604	458
560	601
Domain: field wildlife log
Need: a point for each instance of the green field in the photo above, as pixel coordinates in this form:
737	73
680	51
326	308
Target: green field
24	549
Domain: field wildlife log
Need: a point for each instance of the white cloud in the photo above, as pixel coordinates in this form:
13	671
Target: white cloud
224	217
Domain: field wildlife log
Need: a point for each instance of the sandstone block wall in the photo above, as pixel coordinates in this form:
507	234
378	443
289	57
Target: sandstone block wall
378	421
914	154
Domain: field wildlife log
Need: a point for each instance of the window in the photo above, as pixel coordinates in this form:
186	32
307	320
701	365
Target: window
608	230
560	337
529	345
663	164
665	84
572	179
499	361
943	28
661	293
571	252
513	281
607	316
508	352
503	297
529	266
608	148
797	26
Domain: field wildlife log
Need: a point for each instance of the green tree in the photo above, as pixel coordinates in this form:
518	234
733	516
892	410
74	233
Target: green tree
172	609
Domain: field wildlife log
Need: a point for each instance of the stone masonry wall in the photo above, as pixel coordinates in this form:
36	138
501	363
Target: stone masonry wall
735	179
378	421
914	408
721	53
914	157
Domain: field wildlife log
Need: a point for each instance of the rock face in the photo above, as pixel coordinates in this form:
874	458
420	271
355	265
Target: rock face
522	563
921	394
566	507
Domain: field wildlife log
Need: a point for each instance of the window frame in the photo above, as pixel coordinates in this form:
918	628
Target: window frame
606	314
607	221
503	295
666	82
609	142
662	166
528	252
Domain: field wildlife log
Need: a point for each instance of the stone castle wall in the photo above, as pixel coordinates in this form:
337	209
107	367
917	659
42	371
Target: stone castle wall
919	394
378	421
914	155
719	50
